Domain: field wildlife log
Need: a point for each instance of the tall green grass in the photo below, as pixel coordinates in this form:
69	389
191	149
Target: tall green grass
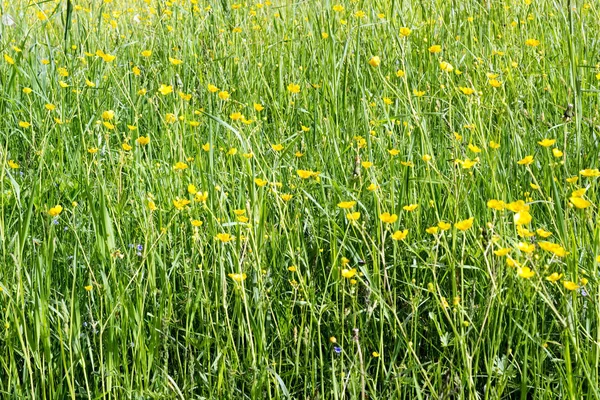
125	294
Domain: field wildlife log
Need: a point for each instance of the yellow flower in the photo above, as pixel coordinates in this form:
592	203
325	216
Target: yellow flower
258	107
525	272
196	223
580	202
557	153
522	218
146	53
260	182
224	237
237	277
366	164
388	218
12	164
92	150
152	205
346	204
532	42
432	230
304	174
570	285
435	49
494	145
353	216
212	88
338	8
180	166
126	146
55	211
375	61
426	157
400	73
464	224
590	173
474	148
410	207
404	31
372	187
496	204
444	225
579	192
236	115
180	203
277	147
525	161
495	83
286	197
394	152
543	233
553	277
293	88
348	273
400	235
501	252
224	95
446	66
206	147
165	89
88	288
9	59
201	197
526	247
547	142
143	140
467	91
24	124
175	61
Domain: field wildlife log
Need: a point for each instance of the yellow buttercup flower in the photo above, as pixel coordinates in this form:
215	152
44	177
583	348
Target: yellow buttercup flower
464	224
388	218
55	211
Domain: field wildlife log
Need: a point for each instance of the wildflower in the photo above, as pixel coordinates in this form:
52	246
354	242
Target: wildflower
151	205
432	230
55	211
375	61
580	202
435	49
293	88
410	207
9	59
525	161
375	354
590	173
224	95
348	273
146	53
553	277
353	216
532	42
525	272
12	164
446	66
258	107
466	90
143	140
494	145
24	124
201	197
180	203
260	182
366	164
165	89
304	174
495	83
464	224
180	166
277	147
496	204
338	8
522	218
212	88
501	252
346	204
570	285
175	61
543	233
400	235
557	153
388	218
224	237
286	197
426	157
547	142
405	32
444	225
400	73
526	247
88	288
237	277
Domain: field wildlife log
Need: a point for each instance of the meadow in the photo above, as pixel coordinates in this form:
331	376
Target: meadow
348	199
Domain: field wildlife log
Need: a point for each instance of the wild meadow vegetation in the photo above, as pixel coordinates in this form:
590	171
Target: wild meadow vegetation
300	199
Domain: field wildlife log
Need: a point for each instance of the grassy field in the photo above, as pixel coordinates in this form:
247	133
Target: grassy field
310	200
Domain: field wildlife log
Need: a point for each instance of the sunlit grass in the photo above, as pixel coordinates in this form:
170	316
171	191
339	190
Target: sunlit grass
354	199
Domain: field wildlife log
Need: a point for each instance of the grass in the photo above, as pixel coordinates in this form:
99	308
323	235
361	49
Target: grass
206	219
